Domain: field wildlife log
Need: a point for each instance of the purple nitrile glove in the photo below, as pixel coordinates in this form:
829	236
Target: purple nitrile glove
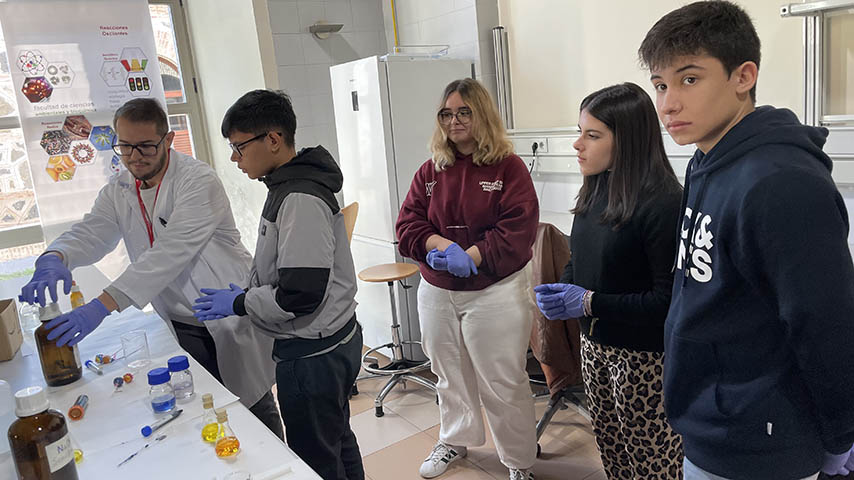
837	464
560	301
437	260
460	263
216	303
73	326
49	271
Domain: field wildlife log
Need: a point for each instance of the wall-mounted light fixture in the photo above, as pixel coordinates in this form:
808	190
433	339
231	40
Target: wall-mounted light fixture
322	29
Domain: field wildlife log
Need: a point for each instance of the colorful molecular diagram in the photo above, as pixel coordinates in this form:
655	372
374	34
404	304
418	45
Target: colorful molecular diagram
115	165
83	153
31	62
60	168
102	137
55	142
37	89
77	127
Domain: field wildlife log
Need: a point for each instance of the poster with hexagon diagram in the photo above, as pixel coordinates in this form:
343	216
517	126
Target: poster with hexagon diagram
73	63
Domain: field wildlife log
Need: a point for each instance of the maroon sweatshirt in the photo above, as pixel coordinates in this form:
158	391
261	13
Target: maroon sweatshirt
494	207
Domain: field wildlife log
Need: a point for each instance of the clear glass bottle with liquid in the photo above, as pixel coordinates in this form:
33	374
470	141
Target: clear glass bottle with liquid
182	379
39	440
60	365
76	297
161	395
227	445
210	427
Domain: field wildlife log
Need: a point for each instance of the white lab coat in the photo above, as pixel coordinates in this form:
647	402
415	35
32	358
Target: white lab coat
199	247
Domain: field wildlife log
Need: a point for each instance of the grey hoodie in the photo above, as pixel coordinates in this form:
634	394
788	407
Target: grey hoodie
303	283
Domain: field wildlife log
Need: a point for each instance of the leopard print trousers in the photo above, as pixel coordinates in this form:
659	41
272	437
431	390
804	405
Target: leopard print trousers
625	400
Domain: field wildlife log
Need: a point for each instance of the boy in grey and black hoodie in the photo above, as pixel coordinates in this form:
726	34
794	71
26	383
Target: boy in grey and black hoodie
302	285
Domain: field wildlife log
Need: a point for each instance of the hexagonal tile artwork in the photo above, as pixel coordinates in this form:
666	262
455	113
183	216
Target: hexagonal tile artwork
60	168
37	89
77	127
55	142
133	59
32	62
83	153
114	73
59	74
102	137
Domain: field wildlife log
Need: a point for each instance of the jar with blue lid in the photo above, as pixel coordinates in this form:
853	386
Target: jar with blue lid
182	379
161	394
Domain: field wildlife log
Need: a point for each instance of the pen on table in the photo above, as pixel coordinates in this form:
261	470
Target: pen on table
161	437
149	429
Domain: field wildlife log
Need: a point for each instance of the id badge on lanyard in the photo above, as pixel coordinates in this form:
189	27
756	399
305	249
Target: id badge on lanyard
145	217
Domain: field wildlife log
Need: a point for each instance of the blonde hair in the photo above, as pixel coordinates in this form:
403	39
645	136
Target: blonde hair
486	127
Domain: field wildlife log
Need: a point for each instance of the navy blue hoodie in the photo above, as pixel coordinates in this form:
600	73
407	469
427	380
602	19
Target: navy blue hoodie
759	339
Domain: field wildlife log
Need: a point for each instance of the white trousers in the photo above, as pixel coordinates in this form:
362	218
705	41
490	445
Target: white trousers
477	343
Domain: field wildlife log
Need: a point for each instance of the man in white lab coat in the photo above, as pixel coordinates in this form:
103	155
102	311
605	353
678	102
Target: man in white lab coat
172	212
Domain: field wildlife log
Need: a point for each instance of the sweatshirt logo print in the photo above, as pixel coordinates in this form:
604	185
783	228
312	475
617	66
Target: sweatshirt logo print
698	251
429	187
495	186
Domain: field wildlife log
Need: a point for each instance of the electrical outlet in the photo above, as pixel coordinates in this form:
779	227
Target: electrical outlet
542	144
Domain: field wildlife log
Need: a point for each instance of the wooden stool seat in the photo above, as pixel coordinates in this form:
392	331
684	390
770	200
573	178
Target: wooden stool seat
389	272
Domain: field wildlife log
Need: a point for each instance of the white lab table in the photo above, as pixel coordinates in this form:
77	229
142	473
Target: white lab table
110	430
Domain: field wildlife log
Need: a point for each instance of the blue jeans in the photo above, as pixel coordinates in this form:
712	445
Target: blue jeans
693	472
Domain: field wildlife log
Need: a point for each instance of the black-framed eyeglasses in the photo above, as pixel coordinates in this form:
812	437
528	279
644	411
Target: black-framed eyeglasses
144	149
463	116
235	147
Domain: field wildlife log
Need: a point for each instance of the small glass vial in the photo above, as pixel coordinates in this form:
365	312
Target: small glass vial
210	427
182	379
60	365
160	394
76	297
227	445
39	439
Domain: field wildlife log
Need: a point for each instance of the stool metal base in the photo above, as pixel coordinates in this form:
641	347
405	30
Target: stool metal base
400	370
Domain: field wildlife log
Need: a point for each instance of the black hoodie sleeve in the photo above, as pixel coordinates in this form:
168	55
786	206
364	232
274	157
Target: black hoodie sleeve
794	225
657	222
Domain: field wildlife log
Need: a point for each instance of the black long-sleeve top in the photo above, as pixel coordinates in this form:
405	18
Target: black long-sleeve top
630	270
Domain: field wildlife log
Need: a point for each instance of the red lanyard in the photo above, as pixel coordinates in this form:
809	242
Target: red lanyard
145	216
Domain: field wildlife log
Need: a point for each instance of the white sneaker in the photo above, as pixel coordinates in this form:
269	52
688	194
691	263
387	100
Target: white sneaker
516	474
437	462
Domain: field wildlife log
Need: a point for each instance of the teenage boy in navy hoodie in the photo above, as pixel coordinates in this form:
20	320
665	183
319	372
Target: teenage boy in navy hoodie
759	340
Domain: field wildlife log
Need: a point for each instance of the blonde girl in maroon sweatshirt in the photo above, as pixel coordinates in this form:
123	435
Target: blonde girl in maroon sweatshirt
470	220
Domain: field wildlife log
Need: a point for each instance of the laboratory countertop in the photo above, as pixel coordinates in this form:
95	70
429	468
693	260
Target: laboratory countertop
109	432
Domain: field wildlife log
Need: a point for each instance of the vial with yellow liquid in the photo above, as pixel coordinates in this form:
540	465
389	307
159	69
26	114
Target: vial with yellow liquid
227	445
210	427
76	297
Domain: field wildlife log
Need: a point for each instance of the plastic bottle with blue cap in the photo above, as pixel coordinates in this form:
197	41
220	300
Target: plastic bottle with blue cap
182	379
161	394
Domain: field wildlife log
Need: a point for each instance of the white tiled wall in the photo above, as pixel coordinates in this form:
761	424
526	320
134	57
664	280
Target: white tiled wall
303	60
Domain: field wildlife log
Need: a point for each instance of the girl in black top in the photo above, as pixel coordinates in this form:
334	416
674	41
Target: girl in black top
619	279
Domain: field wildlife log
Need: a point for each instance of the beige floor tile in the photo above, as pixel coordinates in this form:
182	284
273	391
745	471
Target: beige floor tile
561	463
374	434
369	388
418	406
402	460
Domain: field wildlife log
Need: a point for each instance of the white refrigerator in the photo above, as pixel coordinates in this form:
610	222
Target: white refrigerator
385	111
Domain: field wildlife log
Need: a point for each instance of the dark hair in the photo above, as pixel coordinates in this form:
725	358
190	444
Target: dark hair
720	29
143	110
261	111
640	164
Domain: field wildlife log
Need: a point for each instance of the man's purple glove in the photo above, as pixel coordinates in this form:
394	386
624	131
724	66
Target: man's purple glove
216	303
837	464
49	271
560	301
76	324
460	264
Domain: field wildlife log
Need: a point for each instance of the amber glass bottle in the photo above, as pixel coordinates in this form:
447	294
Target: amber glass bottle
41	446
60	365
